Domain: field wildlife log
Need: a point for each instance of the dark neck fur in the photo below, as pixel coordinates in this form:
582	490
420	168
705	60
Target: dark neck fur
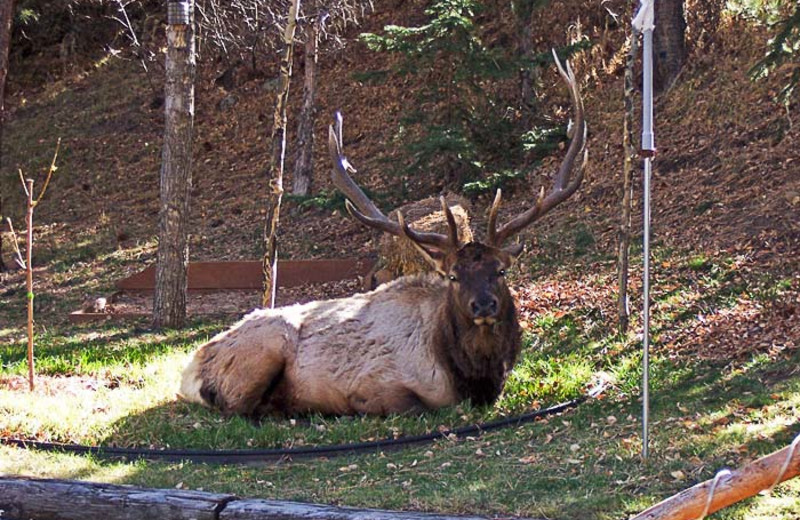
478	357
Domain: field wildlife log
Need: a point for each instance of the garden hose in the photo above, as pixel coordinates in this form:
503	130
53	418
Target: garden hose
238	456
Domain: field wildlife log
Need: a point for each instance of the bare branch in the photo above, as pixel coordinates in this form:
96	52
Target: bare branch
50	173
24	184
18	258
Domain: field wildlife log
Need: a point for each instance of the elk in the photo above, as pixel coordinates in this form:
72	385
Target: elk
419	342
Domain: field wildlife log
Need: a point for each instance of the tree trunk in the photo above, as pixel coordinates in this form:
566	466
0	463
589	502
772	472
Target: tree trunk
669	43
169	305
304	164
276	164
629	154
6	17
523	13
528	73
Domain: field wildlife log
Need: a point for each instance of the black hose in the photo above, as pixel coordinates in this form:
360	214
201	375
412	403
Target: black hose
268	455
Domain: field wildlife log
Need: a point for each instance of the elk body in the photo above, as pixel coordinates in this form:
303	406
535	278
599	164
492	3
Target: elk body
420	342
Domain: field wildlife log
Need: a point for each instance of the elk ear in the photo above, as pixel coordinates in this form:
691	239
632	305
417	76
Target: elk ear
433	257
514	250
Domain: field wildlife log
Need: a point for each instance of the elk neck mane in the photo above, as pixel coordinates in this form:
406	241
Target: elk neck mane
477	357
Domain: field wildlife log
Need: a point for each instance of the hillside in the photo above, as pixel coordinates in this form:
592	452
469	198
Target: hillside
726	280
726	177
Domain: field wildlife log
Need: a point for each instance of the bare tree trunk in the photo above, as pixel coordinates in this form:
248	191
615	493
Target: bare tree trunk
6	18
277	156
669	43
169	305
304	164
528	72
629	154
523	12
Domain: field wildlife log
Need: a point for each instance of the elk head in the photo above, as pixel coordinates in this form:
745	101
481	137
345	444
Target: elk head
475	270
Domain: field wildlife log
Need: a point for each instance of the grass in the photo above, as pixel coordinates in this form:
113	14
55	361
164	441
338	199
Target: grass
114	385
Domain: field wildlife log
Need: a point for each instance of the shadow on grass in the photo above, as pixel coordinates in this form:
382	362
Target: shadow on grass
181	425
96	349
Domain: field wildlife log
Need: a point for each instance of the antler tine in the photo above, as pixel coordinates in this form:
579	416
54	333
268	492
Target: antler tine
492	224
358	204
563	185
342	180
452	228
576	145
384	224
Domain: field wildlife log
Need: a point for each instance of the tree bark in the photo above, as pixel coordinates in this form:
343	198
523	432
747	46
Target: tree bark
523	13
629	154
669	43
67	499
169	305
277	156
6	19
304	164
71	499
528	73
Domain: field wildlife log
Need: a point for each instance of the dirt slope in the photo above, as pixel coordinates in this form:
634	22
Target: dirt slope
727	174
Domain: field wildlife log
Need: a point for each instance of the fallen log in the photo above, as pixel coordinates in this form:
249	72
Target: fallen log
44	499
728	487
281	510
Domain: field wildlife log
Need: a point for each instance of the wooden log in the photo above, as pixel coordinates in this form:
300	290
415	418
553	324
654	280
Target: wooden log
283	510
43	499
738	485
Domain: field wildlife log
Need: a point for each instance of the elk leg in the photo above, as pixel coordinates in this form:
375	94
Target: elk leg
386	402
233	372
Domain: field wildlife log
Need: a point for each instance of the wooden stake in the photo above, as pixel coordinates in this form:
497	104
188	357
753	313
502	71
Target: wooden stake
28	185
746	482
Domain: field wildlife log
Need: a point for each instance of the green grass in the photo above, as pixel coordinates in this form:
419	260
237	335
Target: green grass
114	385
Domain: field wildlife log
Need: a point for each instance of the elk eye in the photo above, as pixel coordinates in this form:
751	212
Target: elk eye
452	278
501	272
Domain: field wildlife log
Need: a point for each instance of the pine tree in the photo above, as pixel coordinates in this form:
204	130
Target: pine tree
454	107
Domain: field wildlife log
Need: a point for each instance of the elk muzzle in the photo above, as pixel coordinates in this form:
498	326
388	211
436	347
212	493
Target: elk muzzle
484	309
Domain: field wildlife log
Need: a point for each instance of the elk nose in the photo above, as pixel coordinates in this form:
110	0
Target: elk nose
483	307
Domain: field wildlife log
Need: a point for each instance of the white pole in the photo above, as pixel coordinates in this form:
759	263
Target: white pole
644	22
646	315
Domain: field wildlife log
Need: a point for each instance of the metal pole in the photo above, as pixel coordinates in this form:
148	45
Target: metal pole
644	22
648	148
646	315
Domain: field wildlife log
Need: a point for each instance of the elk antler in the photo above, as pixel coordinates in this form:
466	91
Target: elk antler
563	185
365	211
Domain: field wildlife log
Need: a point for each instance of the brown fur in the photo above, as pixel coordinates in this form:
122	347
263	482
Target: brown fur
410	344
397	254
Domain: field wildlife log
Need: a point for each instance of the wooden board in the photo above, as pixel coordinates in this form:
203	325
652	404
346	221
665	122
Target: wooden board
211	277
205	276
